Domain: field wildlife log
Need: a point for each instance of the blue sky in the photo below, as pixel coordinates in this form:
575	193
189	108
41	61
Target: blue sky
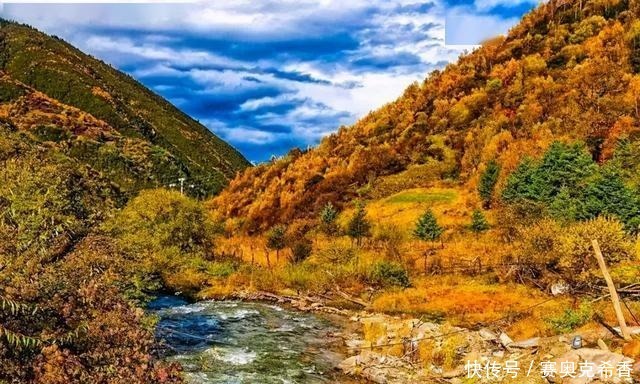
270	75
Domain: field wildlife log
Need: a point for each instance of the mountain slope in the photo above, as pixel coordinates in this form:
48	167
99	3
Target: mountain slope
567	72
150	142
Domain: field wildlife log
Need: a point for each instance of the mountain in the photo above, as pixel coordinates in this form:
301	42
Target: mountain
567	72
106	119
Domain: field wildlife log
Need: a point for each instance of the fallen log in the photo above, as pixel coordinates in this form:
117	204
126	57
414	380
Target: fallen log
352	299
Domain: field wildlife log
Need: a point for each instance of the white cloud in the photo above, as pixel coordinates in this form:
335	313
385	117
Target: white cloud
485	5
465	27
238	135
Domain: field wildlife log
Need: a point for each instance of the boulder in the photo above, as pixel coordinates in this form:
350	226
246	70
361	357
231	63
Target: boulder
525	344
505	340
487	334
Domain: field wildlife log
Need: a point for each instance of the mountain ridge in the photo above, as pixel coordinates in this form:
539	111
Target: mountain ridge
65	74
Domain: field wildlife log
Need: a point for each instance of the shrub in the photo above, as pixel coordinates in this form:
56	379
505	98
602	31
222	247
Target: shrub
427	228
222	268
577	259
391	238
570	319
541	243
568	249
337	253
306	277
301	250
388	274
162	230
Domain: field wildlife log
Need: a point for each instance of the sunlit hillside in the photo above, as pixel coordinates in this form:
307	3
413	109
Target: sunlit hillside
567	72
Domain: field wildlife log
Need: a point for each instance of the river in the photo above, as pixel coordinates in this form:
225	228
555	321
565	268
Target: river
244	342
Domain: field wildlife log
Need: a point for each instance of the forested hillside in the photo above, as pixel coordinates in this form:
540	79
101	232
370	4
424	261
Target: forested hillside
568	72
472	200
105	118
78	140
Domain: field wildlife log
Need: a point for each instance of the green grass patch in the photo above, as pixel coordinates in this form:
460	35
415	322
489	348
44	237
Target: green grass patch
422	196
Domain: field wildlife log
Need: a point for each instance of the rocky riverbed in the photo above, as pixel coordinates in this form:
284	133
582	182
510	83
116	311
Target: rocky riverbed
260	337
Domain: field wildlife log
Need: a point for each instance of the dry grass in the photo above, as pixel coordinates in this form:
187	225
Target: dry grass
454	297
467	302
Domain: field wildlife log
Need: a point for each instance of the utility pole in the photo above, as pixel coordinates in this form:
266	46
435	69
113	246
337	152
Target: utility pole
182	179
612	290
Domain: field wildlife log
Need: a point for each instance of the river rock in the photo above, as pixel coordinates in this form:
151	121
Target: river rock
380	369
487	335
505	340
525	344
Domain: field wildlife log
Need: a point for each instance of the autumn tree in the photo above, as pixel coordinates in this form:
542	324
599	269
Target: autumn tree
359	226
276	239
488	181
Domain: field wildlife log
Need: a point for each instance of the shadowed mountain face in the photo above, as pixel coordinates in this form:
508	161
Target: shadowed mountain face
103	118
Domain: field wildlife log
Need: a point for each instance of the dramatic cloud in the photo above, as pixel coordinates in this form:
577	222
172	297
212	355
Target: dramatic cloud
271	75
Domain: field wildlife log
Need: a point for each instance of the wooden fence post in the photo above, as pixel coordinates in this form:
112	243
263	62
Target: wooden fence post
612	290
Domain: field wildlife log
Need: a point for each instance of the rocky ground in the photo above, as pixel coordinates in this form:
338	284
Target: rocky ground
395	350
482	356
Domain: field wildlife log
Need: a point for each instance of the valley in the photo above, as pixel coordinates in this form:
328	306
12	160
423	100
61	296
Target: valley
459	223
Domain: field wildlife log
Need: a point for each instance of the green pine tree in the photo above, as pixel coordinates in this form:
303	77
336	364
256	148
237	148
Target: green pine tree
428	229
359	227
488	181
478	222
328	218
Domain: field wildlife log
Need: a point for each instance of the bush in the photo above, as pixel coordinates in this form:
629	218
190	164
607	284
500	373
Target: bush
222	268
390	237
387	274
568	249
478	222
577	259
163	230
571	319
301	250
337	253
306	277
541	243
427	227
